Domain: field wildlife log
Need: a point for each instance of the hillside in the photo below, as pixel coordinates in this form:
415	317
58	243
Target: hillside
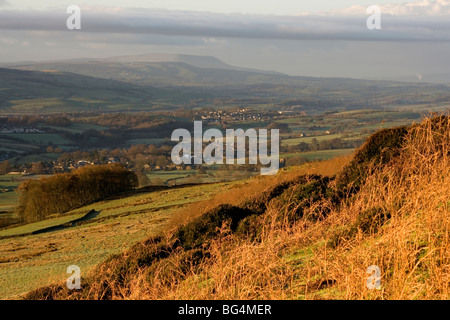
168	71
305	234
209	79
23	91
193	60
118	223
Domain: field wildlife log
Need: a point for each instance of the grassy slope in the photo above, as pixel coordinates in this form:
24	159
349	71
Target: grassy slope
233	192
35	260
62	91
30	261
307	239
292	236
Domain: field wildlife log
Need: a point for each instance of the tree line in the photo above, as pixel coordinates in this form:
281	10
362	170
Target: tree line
66	191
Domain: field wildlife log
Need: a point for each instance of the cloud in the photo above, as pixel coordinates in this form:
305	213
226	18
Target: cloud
251	41
419	21
421	8
4	3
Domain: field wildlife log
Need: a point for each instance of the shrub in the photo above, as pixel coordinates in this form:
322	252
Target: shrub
206	227
379	149
259	203
300	196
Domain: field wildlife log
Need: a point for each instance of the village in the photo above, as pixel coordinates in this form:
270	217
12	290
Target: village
241	114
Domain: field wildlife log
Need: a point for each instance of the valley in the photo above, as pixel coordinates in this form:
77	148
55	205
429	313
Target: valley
63	116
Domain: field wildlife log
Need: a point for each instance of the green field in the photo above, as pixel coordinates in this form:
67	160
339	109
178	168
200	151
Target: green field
35	158
9	199
35	105
388	124
320	155
41	138
162	176
77	127
179	177
295	141
10	144
156	141
5	149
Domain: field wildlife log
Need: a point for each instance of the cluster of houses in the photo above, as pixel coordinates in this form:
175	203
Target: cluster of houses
9	130
238	115
72	165
60	167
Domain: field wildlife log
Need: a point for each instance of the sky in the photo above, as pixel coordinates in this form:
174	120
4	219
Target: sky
279	7
325	38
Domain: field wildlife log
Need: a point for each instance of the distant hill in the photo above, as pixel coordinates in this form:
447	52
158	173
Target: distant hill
195	61
159	70
175	79
442	78
57	91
